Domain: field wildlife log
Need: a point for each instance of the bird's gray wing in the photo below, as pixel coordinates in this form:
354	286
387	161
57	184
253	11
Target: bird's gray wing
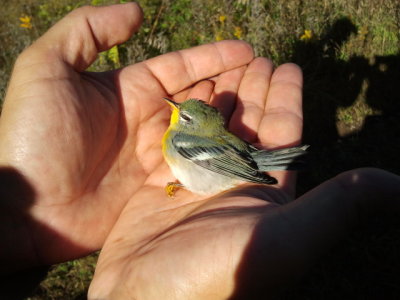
221	158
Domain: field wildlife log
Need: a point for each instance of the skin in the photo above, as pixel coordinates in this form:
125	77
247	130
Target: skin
82	169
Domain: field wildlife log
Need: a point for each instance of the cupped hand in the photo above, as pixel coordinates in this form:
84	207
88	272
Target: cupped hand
87	143
88	146
249	242
173	248
246	243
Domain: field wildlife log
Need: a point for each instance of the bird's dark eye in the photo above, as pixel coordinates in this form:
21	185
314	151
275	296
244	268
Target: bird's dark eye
185	117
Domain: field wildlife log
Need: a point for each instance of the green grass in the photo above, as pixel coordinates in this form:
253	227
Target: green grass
69	280
351	68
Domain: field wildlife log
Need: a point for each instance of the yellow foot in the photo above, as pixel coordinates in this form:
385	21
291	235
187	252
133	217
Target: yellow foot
171	188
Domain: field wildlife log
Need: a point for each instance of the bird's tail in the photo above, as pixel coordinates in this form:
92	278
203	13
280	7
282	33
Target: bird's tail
281	159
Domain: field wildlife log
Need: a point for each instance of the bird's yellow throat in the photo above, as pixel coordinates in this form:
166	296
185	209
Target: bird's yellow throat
174	116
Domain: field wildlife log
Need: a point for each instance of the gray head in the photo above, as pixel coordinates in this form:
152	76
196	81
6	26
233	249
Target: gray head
195	114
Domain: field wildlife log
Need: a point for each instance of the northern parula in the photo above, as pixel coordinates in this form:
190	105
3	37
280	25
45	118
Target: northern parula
206	158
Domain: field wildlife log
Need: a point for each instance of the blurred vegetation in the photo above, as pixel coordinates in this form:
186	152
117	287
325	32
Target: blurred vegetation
69	280
349	51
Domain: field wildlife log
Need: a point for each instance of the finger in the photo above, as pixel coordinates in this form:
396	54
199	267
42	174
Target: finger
78	37
252	95
182	95
178	70
225	91
202	91
282	123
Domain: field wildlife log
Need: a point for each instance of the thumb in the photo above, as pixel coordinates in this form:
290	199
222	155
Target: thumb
77	38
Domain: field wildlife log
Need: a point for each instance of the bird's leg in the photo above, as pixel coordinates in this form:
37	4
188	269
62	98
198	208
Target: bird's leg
172	187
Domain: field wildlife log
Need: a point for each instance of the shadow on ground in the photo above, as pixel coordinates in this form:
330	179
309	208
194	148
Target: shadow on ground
331	83
365	266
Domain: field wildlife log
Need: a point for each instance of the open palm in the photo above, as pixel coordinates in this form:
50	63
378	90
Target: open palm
87	143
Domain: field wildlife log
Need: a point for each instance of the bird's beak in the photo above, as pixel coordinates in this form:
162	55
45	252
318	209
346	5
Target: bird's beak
171	102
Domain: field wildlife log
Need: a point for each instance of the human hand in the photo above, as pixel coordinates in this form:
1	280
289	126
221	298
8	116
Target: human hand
248	242
87	143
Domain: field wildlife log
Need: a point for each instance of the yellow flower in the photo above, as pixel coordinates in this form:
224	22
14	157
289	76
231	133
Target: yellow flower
238	32
307	35
222	19
25	22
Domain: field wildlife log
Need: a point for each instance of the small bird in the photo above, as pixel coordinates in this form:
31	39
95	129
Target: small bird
207	159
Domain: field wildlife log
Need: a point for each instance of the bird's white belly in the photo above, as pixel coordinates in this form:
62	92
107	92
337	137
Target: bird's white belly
200	180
